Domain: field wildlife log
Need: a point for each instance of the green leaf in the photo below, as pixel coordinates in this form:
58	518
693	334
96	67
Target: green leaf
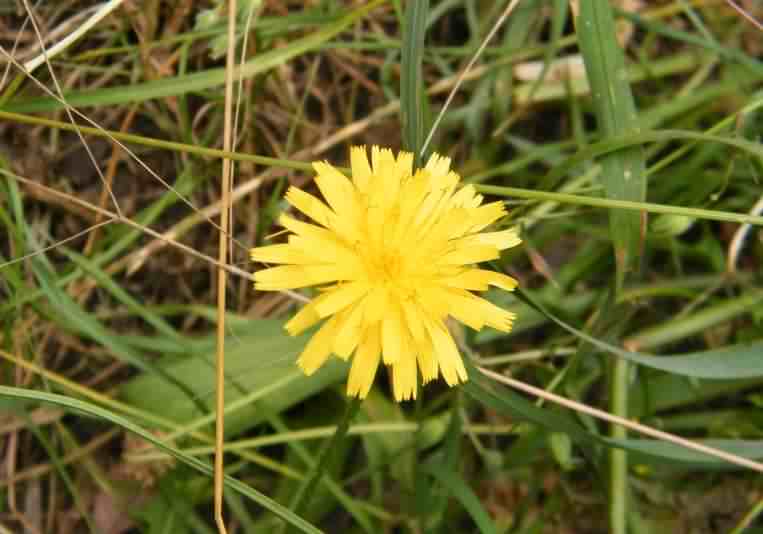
260	366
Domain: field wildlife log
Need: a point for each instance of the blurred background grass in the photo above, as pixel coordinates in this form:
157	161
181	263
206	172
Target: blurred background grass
115	328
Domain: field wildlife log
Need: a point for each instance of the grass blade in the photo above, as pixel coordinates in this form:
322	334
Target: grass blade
92	410
623	175
411	86
197	81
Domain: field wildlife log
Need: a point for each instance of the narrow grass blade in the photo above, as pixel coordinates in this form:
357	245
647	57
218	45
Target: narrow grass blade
736	362
198	81
510	403
623	174
464	494
74	318
411	88
91	410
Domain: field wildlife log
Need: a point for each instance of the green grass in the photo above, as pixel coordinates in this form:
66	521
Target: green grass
629	175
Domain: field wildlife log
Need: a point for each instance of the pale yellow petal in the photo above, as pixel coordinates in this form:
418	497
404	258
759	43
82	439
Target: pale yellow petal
364	364
361	170
404	164
304	318
421	342
427	362
464	197
463	309
393	335
433	301
295	276
412	196
281	253
335	187
310	206
310	231
376	306
446	352
349	332
318	349
426	212
340	297
501	240
454	225
404	378
438	166
486	215
479	279
328	251
414	320
381	159
494	316
464	255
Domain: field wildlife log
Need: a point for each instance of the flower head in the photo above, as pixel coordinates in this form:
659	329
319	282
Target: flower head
394	254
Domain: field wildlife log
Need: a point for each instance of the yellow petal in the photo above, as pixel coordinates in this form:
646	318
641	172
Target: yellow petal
382	159
335	187
414	320
310	231
404	378
376	306
364	364
318	349
338	298
349	332
501	240
361	170
494	316
465	196
280	253
310	206
427	363
466	311
404	164
304	318
433	301
325	251
426	212
479	279
446	352
393	335
438	165
486	215
295	276
412	195
464	255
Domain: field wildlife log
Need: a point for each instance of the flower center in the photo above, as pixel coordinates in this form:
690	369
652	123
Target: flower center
392	266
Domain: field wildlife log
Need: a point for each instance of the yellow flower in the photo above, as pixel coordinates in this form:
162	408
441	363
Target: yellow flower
394	254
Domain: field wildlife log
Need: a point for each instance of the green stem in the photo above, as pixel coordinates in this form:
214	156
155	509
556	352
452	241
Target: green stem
612	203
618	458
302	497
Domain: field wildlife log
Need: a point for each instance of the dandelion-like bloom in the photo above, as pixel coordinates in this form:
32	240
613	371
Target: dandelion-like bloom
394	254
